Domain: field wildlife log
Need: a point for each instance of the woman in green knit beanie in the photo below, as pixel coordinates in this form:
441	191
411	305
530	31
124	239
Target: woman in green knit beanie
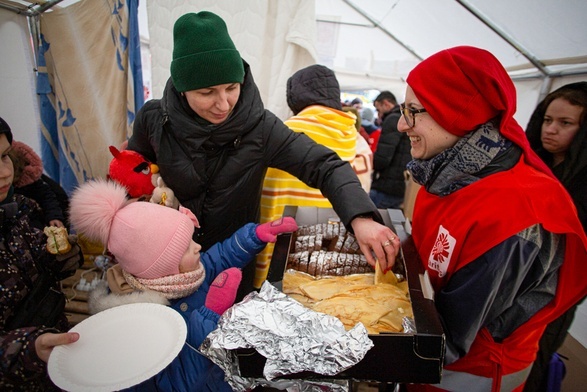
205	56
213	141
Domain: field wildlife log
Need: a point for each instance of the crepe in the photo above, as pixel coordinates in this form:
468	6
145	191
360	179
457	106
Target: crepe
379	292
354	298
359	278
319	289
394	318
327	288
293	280
307	302
364	310
381	277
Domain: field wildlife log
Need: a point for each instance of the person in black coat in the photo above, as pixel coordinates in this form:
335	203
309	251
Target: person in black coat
391	156
213	141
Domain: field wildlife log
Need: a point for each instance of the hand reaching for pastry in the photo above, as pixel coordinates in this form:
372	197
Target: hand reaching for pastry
378	242
267	232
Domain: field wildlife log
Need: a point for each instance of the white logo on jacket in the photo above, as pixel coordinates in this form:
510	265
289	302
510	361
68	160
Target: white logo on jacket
441	252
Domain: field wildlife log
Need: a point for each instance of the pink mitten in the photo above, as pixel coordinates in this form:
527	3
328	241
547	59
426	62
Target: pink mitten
267	232
223	289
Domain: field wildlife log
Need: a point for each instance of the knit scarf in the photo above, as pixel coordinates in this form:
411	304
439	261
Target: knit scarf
458	166
172	286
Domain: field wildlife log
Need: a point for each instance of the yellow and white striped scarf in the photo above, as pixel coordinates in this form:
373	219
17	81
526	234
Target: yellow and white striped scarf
330	127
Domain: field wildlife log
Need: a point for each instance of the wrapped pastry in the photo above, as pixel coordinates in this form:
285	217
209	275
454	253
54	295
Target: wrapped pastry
57	240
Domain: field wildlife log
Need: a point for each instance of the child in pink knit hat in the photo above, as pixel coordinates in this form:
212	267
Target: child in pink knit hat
158	261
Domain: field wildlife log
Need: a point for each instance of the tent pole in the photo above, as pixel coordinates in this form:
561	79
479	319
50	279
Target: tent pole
13	9
31	10
545	88
552	75
34	33
45	6
505	36
384	30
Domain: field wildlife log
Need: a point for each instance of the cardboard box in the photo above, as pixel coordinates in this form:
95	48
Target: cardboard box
395	357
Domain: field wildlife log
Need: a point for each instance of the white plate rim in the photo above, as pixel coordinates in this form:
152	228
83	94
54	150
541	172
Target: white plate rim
171	316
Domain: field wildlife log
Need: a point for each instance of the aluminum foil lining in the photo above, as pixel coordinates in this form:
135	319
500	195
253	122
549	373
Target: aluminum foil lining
292	337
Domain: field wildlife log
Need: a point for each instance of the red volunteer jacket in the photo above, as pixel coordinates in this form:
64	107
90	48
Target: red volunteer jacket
454	230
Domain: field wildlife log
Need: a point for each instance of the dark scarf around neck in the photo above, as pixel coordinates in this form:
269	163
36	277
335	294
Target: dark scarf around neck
460	165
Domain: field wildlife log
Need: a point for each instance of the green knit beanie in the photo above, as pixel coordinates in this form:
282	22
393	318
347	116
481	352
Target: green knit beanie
203	53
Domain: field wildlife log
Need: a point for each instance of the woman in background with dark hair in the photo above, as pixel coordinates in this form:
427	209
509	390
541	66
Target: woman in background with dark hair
557	131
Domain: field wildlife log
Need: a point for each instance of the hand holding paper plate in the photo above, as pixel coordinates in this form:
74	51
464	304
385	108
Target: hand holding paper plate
118	348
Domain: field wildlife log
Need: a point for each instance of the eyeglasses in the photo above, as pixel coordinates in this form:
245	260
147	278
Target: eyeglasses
410	114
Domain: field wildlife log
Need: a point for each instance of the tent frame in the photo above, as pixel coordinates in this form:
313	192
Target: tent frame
33	10
32	13
544	74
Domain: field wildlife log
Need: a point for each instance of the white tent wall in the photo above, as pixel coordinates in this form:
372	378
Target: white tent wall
363	56
373	44
18	99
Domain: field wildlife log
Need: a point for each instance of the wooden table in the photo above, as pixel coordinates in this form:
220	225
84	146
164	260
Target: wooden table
76	307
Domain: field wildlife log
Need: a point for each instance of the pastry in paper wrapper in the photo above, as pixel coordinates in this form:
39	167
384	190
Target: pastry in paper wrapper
57	240
292	337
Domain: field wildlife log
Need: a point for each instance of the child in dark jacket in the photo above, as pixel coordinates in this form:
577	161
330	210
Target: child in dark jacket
157	261
32	317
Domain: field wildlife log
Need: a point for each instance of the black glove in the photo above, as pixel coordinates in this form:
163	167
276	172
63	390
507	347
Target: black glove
71	260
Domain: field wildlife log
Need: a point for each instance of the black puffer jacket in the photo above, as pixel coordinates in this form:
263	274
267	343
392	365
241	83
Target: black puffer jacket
217	171
22	253
391	157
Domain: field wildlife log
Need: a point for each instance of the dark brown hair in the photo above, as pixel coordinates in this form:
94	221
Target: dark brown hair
575	96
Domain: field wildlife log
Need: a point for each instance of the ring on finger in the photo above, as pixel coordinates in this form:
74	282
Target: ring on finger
387	243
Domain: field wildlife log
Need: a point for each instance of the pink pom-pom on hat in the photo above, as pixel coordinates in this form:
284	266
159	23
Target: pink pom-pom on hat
148	240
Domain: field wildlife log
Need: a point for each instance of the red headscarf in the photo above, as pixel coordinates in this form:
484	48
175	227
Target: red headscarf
464	87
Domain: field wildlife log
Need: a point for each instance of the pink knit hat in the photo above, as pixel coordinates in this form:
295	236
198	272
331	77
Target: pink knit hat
148	240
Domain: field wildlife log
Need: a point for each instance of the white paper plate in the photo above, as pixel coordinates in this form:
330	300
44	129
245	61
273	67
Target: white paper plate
118	348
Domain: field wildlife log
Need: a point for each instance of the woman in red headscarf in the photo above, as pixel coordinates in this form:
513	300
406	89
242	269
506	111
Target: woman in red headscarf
497	233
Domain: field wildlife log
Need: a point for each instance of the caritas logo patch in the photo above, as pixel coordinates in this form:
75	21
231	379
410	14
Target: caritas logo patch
441	253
